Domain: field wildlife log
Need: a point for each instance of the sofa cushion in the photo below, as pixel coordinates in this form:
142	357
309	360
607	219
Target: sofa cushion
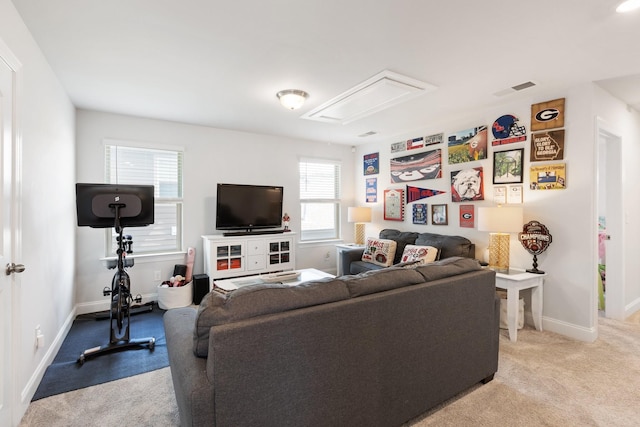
423	254
257	300
381	280
379	251
449	246
402	238
448	267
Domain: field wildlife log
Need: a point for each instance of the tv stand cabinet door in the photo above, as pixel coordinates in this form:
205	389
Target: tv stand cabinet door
224	257
281	253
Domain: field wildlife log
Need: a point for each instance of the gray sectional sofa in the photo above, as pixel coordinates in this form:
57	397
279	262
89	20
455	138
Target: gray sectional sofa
448	246
374	349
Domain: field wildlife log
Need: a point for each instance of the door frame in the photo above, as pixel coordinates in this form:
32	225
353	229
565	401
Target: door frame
615	295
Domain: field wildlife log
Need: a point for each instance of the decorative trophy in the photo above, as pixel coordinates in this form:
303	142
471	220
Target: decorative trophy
536	239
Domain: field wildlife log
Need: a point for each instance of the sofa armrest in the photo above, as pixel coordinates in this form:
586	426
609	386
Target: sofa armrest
347	256
188	372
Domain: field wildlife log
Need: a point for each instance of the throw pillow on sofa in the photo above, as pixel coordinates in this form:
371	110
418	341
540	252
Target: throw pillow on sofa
379	251
422	254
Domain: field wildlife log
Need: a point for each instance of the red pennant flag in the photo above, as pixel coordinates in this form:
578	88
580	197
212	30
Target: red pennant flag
416	193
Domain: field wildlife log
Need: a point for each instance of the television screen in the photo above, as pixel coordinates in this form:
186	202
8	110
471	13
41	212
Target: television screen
247	207
95	205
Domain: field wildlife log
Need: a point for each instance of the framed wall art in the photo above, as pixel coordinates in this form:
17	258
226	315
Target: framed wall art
420	213
468	145
547	145
500	194
371	163
507	166
548	177
372	190
547	115
394	205
467	185
439	215
416	167
514	195
467	216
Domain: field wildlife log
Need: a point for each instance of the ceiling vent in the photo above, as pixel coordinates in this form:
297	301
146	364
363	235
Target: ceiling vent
370	133
516	88
380	92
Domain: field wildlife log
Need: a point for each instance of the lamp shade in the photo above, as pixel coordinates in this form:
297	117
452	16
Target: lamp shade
500	219
359	214
628	6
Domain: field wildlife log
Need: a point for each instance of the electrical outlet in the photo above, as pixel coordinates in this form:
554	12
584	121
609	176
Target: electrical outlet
39	337
157	275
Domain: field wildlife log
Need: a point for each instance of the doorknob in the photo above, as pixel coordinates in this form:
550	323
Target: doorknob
14	268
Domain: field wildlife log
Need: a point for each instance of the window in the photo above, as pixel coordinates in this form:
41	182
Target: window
319	199
161	168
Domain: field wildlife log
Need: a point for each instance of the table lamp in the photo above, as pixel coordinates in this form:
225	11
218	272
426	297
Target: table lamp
359	215
499	222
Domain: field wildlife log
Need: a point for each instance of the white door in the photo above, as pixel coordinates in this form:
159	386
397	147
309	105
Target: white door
7	237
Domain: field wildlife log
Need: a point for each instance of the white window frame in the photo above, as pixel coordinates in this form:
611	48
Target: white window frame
310	235
159	202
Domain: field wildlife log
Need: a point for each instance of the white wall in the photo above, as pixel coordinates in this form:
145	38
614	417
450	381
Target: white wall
211	156
45	294
569	214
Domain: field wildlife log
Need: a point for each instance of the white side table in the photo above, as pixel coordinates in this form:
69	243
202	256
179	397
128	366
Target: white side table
513	282
342	247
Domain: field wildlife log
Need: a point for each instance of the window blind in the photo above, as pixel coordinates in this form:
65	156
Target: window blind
319	199
163	169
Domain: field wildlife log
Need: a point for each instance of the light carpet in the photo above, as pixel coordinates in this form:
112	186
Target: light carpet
543	379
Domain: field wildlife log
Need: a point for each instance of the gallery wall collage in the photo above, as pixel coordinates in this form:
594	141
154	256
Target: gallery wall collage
473	155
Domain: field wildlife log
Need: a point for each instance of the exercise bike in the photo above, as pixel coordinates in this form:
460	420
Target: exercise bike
121	300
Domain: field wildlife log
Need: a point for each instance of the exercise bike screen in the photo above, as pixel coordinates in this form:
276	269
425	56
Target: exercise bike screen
96	205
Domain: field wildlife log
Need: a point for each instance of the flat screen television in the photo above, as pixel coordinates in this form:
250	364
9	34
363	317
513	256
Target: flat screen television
248	207
95	205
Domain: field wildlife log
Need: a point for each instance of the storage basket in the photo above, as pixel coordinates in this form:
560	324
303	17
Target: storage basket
180	296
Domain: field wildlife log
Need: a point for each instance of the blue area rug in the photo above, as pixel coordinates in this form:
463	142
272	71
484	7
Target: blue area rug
65	374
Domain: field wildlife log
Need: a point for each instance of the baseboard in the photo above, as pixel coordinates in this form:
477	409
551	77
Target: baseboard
631	308
96	306
34	381
570	330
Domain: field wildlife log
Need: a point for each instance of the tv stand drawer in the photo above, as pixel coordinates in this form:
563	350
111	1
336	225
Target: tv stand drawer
255	247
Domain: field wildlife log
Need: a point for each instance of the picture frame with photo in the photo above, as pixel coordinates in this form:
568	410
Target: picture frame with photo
439	214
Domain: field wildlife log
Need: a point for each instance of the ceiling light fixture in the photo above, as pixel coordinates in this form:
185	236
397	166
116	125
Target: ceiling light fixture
292	98
628	6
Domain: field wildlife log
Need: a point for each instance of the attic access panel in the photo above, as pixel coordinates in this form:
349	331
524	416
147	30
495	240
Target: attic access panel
380	92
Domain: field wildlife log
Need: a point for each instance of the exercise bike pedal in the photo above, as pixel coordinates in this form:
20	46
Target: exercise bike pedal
138	299
106	291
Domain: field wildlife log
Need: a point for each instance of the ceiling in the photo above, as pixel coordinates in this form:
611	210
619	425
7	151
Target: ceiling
220	63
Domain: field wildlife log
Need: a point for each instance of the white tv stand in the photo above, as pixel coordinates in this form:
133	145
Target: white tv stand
234	256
